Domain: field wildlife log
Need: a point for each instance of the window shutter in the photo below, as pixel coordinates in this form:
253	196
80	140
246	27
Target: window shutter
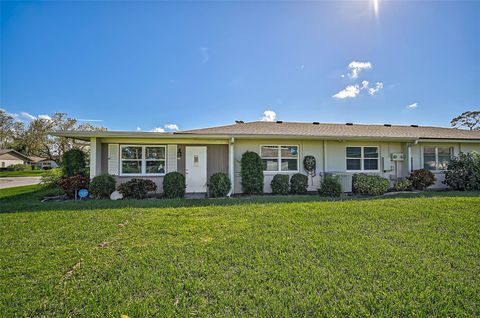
113	159
171	158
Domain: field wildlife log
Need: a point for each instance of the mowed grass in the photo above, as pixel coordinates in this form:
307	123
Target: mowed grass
390	257
27	173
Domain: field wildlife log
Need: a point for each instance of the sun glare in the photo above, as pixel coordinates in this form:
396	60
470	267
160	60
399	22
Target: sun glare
375	6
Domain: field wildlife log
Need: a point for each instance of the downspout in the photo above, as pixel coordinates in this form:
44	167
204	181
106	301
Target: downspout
324	158
231	165
409	148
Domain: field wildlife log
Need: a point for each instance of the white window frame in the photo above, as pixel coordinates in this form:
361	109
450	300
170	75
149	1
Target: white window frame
279	158
451	149
143	161
362	157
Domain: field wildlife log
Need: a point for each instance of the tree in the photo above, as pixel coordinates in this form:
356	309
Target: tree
470	119
10	129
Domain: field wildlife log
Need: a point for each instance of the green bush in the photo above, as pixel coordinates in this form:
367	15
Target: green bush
330	187
19	167
174	185
280	184
463	172
51	178
369	185
137	188
403	185
102	186
219	185
72	184
74	163
421	179
298	183
251	173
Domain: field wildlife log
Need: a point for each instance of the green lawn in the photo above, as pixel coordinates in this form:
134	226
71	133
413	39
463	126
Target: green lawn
417	256
28	173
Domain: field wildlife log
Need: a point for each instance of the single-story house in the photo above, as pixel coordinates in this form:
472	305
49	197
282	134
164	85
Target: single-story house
43	163
10	157
392	151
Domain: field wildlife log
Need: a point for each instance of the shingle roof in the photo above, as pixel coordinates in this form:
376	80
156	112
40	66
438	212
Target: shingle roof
18	154
261	128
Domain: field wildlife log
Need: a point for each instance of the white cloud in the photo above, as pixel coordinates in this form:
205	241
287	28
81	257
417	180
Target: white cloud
356	67
373	90
412	106
204	53
46	117
302	67
158	129
269	115
139	129
171	127
27	116
349	91
93	120
365	84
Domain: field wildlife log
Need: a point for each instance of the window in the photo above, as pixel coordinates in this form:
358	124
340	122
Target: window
279	158
362	158
146	160
436	158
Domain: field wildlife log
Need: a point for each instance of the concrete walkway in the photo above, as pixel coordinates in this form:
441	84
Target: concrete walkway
11	182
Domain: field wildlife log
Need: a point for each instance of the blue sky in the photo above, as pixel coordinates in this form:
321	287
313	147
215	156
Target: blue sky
194	64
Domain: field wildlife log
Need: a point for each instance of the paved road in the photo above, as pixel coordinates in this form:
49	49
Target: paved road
11	182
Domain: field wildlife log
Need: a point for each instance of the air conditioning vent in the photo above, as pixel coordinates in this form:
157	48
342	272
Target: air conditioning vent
387	125
413	125
279	121
238	121
316	123
397	157
349	124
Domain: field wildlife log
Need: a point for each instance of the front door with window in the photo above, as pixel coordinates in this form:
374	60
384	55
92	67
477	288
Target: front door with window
196	169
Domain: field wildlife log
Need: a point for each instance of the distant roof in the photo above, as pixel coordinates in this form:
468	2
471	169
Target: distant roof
259	129
337	130
14	152
37	159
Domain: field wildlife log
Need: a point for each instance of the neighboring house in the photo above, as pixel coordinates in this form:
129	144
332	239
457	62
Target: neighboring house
391	151
43	163
9	157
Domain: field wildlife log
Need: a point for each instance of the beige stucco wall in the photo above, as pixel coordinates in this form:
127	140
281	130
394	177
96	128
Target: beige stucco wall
9	162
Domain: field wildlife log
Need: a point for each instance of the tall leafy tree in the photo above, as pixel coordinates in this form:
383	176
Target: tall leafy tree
469	119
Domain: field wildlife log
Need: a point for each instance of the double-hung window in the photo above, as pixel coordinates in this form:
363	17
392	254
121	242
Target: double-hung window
362	158
436	158
142	160
279	158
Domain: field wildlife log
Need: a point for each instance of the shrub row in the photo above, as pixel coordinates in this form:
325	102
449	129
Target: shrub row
282	184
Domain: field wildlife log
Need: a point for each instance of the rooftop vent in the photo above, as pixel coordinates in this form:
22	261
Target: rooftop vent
349	124
413	125
316	123
279	121
387	125
238	121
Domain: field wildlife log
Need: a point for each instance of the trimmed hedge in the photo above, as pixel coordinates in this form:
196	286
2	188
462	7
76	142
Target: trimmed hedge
219	185
330	187
102	186
403	185
421	179
137	188
298	183
251	173
72	184
369	185
280	184
174	185
463	172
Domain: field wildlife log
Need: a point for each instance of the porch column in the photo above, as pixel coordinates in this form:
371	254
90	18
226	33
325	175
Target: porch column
95	157
231	164
409	158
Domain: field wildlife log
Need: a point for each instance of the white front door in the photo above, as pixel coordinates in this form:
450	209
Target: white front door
196	169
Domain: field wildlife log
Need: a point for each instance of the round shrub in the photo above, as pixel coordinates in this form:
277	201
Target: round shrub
102	186
219	185
72	184
137	188
298	183
403	185
251	173
73	163
421	179
174	185
280	184
51	178
369	185
20	167
330	187
463	172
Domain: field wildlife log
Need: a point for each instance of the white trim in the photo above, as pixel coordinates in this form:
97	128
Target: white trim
279	158
231	165
362	158
143	161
